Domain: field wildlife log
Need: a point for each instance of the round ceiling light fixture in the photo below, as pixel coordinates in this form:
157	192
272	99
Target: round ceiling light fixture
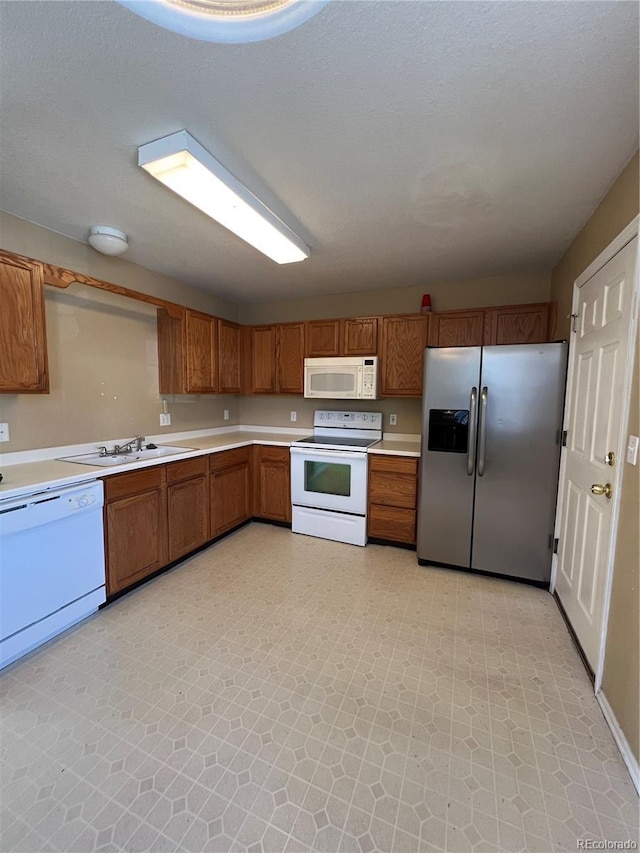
108	240
227	21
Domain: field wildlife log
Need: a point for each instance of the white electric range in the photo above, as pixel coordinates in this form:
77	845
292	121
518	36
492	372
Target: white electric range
329	476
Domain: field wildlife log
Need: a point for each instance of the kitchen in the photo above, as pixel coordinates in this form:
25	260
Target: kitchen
103	352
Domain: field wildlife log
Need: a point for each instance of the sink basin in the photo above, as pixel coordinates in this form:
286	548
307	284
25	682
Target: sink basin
125	458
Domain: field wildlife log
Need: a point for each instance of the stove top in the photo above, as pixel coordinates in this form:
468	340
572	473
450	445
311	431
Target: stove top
339	442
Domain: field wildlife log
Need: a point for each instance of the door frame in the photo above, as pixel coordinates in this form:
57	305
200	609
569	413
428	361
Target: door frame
625	236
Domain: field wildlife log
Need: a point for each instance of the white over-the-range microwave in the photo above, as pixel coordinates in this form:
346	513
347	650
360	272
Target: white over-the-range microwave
348	378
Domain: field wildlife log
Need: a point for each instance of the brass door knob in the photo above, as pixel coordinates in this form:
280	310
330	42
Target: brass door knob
610	458
598	489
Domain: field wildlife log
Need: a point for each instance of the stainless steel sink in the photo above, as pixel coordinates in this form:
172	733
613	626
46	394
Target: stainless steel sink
125	458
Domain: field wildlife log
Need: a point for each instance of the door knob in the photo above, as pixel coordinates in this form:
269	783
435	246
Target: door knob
598	489
610	458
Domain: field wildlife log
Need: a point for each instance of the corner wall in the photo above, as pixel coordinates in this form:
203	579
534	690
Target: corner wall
615	212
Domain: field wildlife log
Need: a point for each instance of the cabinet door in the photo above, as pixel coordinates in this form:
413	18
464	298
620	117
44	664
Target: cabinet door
187	514
360	336
23	345
290	358
272	483
230	498
457	329
392	523
518	324
136	538
202	353
404	339
229	357
263	360
322	338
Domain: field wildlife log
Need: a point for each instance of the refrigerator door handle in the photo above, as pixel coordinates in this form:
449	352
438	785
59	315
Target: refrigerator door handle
473	420
482	441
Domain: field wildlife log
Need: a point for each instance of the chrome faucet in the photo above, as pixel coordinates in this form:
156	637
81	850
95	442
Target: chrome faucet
129	446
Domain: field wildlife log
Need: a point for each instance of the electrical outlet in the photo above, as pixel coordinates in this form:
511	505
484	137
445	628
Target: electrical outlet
393	420
4	432
225	414
294	416
165	419
632	448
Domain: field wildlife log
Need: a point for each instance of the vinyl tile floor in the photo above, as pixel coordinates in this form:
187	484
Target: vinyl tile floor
282	693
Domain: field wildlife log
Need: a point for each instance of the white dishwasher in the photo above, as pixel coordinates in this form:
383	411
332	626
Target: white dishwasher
52	569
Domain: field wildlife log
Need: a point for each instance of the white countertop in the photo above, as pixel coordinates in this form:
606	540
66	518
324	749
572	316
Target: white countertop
27	477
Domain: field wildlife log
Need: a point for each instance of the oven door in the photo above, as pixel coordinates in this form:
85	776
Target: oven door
329	479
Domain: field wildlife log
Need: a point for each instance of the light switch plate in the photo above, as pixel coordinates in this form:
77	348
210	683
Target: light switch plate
4	432
225	415
632	449
294	416
393	420
165	419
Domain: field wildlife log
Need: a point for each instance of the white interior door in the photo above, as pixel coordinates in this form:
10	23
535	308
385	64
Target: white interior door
593	420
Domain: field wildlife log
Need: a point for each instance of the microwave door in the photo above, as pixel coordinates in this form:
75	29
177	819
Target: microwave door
331	383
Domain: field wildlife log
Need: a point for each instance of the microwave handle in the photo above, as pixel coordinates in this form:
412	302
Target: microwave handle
359	383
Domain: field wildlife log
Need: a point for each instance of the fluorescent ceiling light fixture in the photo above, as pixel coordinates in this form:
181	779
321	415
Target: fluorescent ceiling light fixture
227	21
183	165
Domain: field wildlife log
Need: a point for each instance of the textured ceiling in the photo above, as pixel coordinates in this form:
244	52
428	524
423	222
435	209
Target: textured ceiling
406	142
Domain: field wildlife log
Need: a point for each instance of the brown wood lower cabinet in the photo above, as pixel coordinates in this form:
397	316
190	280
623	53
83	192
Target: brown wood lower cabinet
187	506
393	489
230	489
136	526
271	478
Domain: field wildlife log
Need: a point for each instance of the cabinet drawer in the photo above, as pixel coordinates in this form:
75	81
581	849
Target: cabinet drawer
390	522
393	464
228	458
134	482
269	453
391	489
178	471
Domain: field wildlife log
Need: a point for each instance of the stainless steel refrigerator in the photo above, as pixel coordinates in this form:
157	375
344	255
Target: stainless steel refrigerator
491	433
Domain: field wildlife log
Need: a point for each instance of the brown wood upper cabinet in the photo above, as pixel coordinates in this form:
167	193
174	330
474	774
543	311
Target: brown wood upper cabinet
351	336
457	329
277	359
229	357
23	341
188	353
520	324
404	338
136	526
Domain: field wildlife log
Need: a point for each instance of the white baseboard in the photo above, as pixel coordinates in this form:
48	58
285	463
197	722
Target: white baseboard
618	735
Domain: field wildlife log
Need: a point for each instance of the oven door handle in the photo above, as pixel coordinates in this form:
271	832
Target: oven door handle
328	454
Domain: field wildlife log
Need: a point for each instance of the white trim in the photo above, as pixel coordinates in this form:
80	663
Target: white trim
625	236
622	743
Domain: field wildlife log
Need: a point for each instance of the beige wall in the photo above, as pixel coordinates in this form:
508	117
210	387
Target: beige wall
622	657
25	238
276	411
615	212
103	354
621	681
502	290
